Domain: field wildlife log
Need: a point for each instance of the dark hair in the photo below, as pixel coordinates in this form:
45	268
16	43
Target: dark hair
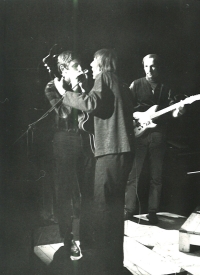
155	57
65	58
107	60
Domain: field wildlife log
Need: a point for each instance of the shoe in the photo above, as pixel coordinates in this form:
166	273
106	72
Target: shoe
128	215
152	217
75	253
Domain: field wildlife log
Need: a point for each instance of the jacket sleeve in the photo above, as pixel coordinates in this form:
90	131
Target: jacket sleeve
54	97
94	101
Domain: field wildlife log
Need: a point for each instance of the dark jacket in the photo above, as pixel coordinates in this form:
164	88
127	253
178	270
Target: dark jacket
109	102
66	118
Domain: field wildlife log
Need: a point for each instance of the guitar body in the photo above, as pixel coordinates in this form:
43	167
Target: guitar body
143	121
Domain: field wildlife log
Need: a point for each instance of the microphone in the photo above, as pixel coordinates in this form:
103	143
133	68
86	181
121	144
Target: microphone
85	71
82	76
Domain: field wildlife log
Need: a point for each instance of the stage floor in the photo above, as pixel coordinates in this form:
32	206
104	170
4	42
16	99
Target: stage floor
155	249
148	250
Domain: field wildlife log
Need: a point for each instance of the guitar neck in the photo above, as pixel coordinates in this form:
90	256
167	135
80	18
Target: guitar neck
165	110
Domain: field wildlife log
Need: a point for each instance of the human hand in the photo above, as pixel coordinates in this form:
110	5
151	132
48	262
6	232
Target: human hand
80	79
180	110
59	86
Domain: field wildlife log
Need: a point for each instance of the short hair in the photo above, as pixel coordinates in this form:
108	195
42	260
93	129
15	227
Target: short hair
107	60
65	58
155	57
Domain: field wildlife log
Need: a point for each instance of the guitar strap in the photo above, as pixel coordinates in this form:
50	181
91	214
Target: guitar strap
158	97
156	89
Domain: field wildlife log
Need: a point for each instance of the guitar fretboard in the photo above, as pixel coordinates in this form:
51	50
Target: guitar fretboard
165	110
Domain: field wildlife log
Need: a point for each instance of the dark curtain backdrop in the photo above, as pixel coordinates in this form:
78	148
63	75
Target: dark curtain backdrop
133	27
29	28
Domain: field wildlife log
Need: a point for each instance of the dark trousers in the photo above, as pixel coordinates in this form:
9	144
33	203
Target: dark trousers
111	175
68	177
153	146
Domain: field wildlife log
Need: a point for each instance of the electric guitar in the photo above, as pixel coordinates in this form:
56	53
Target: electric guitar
143	120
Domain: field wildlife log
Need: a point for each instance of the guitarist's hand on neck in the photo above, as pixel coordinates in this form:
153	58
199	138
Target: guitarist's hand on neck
179	111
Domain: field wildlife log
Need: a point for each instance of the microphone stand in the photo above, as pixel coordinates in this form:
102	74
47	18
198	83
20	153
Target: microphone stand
45	114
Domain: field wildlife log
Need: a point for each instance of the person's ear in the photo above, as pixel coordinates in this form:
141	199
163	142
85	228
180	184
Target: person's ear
62	67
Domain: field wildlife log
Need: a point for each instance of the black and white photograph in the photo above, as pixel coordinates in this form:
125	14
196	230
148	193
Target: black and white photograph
100	127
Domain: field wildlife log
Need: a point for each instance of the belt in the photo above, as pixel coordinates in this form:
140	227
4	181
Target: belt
76	130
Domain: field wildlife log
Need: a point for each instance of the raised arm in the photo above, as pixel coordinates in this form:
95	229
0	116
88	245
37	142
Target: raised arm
94	102
54	96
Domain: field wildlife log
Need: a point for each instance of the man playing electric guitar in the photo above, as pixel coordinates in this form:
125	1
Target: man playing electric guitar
147	92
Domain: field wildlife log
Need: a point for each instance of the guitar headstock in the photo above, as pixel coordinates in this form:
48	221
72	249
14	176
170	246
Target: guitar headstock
191	99
50	61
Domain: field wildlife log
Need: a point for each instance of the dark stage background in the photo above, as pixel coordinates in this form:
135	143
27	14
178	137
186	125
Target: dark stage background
29	28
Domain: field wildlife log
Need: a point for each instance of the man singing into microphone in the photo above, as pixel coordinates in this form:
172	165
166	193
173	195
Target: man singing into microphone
69	155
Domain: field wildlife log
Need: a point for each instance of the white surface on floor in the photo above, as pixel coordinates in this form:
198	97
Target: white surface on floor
164	243
150	235
188	261
164	258
148	260
46	252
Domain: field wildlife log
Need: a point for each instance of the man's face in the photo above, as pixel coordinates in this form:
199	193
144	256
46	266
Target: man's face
95	67
74	69
150	68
